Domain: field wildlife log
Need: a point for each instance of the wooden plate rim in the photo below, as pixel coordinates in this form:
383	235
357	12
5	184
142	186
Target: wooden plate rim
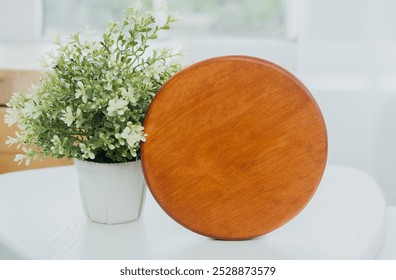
256	60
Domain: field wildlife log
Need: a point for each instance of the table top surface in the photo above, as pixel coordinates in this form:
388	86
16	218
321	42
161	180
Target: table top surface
41	217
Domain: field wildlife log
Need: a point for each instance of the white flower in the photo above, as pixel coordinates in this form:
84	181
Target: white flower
87	153
108	86
80	85
12	116
79	120
110	75
13	140
133	134
79	93
67	116
117	107
128	94
120	139
27	156
57	145
146	81
27	109
20	158
155	70
112	61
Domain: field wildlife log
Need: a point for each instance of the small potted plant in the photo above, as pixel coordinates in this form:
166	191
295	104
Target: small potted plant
90	105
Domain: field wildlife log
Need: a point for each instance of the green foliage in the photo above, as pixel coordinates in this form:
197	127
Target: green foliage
92	99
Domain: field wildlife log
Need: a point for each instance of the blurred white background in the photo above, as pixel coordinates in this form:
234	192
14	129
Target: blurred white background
343	50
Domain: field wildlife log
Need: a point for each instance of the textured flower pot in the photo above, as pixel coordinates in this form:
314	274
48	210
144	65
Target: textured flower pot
111	193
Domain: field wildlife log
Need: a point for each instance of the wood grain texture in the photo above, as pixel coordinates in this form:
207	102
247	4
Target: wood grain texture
236	147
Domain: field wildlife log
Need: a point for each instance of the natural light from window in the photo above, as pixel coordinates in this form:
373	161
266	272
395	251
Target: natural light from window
207	18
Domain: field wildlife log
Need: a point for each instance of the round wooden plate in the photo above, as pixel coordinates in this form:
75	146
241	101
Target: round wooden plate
236	147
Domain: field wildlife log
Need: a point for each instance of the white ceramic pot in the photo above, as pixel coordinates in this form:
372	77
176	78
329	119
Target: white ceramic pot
111	193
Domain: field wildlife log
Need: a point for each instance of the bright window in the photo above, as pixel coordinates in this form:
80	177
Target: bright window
205	18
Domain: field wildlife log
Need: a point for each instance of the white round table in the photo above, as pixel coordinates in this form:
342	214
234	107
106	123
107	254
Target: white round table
41	218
